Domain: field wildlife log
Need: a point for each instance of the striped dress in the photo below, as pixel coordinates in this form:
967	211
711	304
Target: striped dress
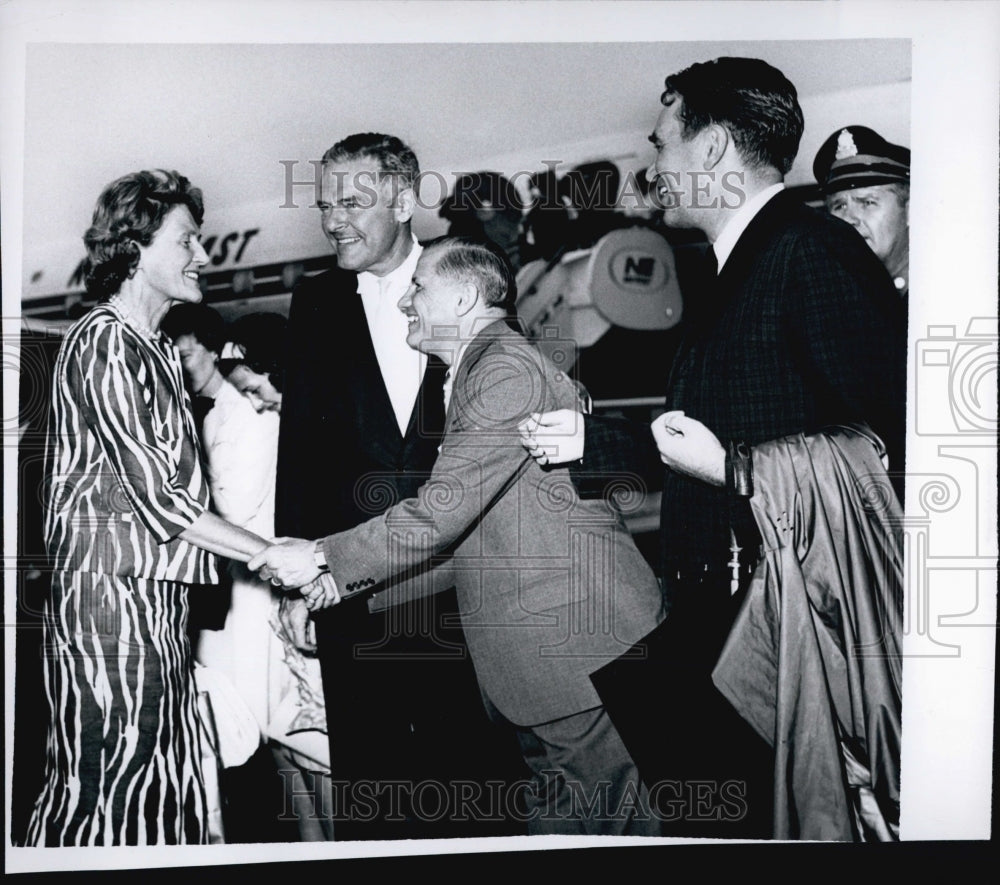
123	756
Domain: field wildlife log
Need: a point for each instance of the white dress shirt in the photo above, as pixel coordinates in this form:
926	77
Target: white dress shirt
402	367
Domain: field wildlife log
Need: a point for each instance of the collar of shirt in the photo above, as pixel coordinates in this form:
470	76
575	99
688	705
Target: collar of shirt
727	239
393	284
402	368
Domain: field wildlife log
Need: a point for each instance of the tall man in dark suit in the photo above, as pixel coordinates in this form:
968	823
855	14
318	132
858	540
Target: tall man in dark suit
360	425
549	586
796	326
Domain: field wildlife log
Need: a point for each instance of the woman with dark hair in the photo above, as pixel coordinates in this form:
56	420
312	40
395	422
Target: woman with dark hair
486	206
128	530
259	341
280	684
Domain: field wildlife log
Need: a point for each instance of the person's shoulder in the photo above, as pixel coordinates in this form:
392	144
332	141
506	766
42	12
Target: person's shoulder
98	318
234	415
98	331
800	225
501	341
509	370
799	219
334	278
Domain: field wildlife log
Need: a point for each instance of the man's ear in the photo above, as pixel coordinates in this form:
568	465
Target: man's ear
404	202
467	299
716	143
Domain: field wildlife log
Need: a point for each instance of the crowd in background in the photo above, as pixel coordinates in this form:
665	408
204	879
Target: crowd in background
180	445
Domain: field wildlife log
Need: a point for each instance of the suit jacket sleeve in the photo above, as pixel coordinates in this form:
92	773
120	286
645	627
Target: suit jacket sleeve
480	456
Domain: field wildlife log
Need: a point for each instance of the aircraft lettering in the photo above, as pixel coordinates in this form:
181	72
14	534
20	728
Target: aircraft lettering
218	250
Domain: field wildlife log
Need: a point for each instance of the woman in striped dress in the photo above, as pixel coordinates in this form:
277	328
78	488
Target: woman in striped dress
128	531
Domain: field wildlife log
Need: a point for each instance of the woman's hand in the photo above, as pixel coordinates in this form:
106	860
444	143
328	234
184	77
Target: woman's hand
288	562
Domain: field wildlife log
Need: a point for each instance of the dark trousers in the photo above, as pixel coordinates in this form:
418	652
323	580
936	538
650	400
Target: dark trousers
410	741
708	772
583	781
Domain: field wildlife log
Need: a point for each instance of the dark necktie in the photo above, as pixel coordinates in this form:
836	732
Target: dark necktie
446	389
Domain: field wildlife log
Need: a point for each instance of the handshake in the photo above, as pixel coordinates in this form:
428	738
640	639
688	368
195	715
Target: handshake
292	564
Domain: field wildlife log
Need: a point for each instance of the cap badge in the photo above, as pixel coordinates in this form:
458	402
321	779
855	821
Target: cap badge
845	145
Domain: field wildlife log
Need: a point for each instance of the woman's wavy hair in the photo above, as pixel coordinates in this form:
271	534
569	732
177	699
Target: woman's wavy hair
128	214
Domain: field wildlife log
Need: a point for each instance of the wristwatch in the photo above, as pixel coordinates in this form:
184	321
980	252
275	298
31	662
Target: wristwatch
320	558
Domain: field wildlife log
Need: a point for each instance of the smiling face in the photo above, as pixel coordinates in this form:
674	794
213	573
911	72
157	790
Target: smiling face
365	221
879	214
198	361
169	266
430	305
675	168
257	388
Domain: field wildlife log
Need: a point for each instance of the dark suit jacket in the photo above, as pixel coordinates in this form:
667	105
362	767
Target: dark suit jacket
550	586
341	457
802	329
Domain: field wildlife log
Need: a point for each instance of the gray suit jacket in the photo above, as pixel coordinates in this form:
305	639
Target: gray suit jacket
550	587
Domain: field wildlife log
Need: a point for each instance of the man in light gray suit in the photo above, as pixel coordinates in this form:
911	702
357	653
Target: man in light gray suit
550	587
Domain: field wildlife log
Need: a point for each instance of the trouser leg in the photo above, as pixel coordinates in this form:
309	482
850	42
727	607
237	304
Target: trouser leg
584	781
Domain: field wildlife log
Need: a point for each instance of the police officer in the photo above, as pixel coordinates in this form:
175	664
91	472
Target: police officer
866	182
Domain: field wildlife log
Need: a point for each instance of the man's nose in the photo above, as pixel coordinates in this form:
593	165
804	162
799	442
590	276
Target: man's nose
651	173
406	300
334	218
200	255
850	214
